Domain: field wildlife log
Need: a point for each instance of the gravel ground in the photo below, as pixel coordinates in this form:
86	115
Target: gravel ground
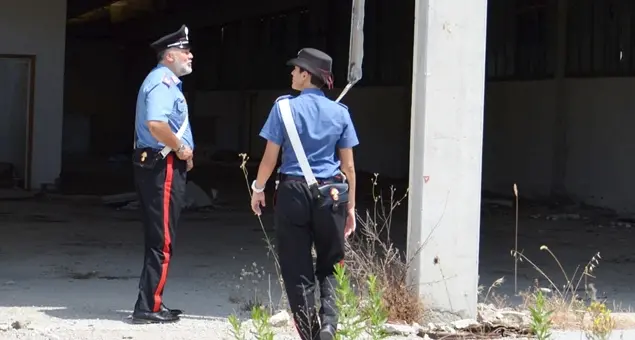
70	270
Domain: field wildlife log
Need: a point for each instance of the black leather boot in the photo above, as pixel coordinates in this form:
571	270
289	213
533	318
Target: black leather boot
327	332
175	312
158	317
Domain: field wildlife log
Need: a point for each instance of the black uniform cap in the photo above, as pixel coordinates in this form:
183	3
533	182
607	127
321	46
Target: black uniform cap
315	62
178	39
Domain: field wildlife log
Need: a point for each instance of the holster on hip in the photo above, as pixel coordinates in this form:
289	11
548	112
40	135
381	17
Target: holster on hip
330	194
146	158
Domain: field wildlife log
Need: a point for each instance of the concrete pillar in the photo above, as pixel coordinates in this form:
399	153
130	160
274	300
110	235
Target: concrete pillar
445	153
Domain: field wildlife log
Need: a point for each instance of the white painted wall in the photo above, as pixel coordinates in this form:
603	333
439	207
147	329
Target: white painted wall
38	27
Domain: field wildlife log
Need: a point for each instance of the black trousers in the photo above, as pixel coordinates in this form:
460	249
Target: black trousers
299	225
161	192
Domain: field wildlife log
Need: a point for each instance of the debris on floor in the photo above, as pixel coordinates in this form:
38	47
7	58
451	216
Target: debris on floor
564	217
16	194
133	205
13	325
195	198
491	321
83	276
119	198
619	224
280	319
498	202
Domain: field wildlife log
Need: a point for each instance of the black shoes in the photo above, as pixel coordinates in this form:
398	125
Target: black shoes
158	317
164	315
175	312
327	332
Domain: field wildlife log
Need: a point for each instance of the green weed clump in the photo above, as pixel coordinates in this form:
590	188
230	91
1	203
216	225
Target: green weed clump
540	317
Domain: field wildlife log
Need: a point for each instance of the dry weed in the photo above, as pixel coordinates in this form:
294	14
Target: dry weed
497	300
371	252
567	305
567	308
271	249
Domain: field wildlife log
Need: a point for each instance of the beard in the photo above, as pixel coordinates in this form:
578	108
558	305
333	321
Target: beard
184	68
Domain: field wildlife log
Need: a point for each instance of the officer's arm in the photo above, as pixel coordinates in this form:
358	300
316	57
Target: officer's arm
268	163
348	168
345	145
159	108
272	132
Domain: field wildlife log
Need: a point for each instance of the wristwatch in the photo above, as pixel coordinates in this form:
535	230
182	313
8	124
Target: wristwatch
255	189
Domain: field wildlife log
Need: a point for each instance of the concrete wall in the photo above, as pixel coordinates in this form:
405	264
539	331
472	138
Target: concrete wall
381	117
37	27
600	143
519	134
92	114
518	137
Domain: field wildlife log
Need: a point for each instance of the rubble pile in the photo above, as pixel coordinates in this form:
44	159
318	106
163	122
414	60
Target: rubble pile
490	322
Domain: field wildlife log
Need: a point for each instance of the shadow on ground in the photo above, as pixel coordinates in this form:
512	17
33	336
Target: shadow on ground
83	261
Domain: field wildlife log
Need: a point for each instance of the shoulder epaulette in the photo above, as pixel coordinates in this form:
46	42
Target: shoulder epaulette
342	105
167	80
286	96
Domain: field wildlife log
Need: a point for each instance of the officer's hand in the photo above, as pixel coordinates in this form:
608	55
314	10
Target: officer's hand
257	200
185	154
190	164
351	223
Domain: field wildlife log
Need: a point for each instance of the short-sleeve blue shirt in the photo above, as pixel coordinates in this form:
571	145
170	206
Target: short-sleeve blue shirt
323	126
160	98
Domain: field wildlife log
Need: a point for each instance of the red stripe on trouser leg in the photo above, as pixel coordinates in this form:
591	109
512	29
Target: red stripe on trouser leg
167	191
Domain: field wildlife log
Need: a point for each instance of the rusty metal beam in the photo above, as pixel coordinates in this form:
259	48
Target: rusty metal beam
76	8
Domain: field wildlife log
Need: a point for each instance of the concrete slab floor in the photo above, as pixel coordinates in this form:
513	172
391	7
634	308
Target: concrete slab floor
575	236
73	270
69	269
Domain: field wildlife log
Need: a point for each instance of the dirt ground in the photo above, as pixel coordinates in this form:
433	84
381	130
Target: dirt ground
575	235
69	267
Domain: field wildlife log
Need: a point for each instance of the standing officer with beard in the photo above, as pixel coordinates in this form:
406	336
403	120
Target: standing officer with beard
309	212
162	156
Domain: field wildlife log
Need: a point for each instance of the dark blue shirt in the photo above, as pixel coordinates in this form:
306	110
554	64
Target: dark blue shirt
160	98
323	126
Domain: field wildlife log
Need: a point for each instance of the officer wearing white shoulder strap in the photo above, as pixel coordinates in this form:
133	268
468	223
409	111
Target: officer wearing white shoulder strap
314	204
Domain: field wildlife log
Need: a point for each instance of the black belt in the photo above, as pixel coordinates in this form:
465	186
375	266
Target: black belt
153	151
334	179
147	148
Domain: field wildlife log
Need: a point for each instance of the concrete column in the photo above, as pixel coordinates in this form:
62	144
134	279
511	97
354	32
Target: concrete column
445	153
